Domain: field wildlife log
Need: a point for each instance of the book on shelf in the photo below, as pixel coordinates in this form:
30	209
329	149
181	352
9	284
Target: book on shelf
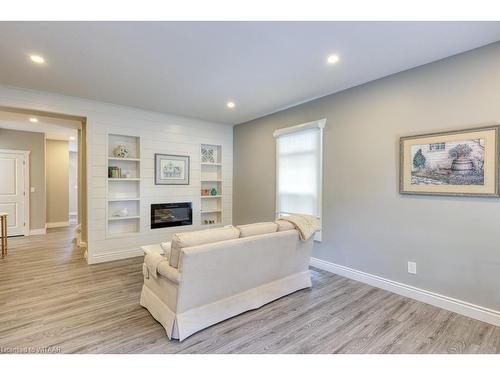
114	172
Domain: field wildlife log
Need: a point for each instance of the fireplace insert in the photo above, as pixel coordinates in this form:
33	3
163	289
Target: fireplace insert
171	215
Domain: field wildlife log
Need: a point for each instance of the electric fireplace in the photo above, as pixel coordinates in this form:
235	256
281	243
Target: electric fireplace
171	215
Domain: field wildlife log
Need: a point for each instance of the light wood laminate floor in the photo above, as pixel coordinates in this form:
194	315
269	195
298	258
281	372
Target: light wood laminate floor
50	298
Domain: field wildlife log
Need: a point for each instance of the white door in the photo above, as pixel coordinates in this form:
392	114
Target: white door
12	190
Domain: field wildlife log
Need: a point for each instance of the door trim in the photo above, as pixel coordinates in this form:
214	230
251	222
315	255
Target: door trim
26	167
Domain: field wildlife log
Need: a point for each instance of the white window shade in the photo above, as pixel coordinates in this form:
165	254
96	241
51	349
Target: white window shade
299	170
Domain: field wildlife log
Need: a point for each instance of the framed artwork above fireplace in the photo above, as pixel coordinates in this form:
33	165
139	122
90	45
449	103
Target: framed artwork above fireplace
171	169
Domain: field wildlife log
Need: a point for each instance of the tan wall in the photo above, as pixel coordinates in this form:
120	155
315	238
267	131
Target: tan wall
368	225
73	181
57	181
34	142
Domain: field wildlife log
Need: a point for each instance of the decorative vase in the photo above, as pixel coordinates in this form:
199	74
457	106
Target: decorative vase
121	151
213	191
125	174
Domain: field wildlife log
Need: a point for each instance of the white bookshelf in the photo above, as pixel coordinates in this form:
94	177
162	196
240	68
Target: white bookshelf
123	159
122	179
118	218
124	190
123	199
211	178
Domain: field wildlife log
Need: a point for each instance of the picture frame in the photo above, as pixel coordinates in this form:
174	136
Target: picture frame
209	154
172	169
455	163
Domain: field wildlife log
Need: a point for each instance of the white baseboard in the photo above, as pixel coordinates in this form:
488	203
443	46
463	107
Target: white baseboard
58	224
115	255
448	303
38	232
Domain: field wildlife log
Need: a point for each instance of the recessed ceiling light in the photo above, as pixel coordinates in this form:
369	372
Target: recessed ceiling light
37	59
72	138
332	59
33	119
230	105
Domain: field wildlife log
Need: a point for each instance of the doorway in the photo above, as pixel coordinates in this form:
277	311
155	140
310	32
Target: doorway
43	172
61	180
14	183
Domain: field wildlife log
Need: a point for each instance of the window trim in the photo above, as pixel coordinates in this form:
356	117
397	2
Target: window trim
296	128
320	124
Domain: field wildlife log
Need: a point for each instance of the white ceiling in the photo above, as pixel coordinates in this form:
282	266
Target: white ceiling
54	128
194	68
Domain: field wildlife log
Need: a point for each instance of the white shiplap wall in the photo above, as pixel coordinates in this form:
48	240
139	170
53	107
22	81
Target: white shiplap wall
159	133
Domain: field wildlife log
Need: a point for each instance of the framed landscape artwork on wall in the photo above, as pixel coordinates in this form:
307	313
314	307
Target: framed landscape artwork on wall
171	169
461	162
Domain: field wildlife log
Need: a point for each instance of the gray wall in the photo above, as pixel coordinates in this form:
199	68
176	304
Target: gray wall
34	142
368	226
57	181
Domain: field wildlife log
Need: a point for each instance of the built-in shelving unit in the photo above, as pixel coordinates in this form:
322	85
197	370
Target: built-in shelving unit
123	159
115	218
123	178
123	188
211	183
123	199
211	164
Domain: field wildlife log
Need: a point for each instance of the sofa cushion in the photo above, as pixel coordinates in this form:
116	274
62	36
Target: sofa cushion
200	237
166	248
257	228
284	225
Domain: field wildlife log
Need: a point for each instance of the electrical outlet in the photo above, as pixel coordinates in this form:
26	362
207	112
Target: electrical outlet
32	189
412	268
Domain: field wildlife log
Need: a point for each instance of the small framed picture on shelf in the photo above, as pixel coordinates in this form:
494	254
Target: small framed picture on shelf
209	154
171	169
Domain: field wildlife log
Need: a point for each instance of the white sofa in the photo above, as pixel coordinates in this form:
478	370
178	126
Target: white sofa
209	276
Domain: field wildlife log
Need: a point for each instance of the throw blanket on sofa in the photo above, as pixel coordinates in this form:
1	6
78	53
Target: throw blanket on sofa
152	261
307	225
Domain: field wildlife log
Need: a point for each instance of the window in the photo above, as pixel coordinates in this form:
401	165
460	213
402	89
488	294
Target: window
299	157
437	146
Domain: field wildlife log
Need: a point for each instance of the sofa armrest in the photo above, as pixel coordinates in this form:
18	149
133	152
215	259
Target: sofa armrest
169	272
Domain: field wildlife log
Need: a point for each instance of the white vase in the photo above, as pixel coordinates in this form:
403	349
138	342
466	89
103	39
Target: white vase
121	213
